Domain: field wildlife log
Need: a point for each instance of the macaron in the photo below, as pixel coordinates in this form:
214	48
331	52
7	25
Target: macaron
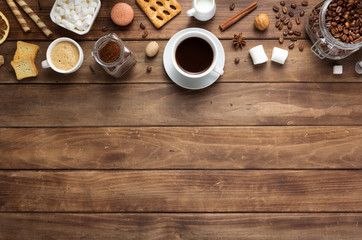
122	14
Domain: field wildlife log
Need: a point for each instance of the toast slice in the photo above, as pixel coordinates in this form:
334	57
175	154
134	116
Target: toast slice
159	11
25	49
24	68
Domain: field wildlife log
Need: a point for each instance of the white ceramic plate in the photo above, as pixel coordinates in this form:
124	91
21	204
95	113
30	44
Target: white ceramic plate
75	30
182	81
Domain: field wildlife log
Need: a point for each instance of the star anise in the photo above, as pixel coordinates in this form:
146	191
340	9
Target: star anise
238	41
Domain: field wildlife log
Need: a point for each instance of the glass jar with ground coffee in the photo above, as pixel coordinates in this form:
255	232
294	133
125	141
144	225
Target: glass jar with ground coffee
115	58
335	28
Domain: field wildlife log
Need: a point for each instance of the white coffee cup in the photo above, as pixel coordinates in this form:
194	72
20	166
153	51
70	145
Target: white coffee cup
213	67
202	10
48	63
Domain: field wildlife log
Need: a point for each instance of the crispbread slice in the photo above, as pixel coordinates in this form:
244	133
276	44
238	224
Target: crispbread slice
24	68
160	11
25	49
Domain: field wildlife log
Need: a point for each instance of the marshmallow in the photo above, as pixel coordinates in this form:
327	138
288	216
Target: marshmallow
71	5
337	69
258	54
279	55
78	25
77	2
60	10
84	5
358	67
93	4
77	9
66	11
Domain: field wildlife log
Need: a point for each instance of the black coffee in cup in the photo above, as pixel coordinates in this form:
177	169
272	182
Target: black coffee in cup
194	55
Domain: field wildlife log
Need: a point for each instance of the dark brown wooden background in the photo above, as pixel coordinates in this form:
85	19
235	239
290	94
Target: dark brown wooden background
267	152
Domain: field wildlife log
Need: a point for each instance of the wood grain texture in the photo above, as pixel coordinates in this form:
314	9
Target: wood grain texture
182	148
181	226
133	31
164	104
181	191
297	68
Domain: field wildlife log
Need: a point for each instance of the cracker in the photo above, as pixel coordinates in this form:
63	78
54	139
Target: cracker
25	49
24	68
160	11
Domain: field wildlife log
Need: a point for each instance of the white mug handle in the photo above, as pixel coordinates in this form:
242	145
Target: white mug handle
218	70
191	12
45	64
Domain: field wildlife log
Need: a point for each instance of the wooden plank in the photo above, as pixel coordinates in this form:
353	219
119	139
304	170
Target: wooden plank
133	31
165	104
181	191
182	148
300	66
181	226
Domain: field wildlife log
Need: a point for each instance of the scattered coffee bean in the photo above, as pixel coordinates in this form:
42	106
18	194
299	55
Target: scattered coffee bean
277	24
282	3
297	20
142	26
301	46
285	32
301	13
291	13
278	15
91	69
275	8
281	25
285	10
39	6
290	32
281	39
291	45
290	25
236	60
286	21
304	3
283	18
144	34
293	5
294	38
232	6
104	29
149	69
297	33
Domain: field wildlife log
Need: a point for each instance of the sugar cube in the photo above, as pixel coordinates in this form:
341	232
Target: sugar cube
337	69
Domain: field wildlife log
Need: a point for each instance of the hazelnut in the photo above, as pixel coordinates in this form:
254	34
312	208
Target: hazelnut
262	22
152	49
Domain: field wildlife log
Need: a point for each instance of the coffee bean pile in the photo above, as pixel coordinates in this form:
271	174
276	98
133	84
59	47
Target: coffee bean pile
285	19
344	20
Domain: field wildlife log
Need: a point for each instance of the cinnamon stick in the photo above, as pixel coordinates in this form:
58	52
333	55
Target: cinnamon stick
225	25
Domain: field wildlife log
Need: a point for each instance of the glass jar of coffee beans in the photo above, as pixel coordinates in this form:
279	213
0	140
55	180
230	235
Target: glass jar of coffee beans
335	28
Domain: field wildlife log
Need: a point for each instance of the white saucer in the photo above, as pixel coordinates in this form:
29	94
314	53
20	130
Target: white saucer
183	81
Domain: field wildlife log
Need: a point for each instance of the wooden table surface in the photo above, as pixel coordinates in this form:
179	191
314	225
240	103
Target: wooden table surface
267	152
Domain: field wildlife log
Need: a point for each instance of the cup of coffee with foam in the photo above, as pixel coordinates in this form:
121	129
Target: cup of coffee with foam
194	55
64	55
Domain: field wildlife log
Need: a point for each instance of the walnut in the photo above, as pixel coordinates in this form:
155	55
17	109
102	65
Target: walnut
262	22
238	41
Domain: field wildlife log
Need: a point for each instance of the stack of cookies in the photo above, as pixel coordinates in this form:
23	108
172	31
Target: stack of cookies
24	58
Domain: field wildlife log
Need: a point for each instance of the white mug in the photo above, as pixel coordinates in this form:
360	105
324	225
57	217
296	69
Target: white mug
213	67
48	63
202	10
